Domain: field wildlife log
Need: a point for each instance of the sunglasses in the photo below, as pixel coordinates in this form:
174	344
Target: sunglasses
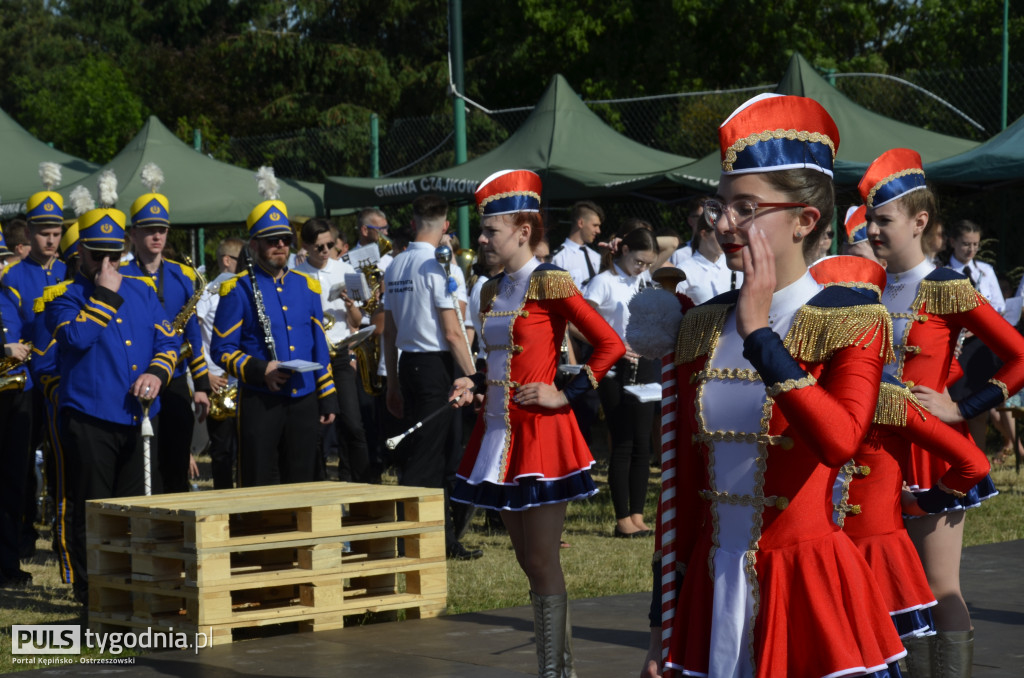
273	240
324	246
99	255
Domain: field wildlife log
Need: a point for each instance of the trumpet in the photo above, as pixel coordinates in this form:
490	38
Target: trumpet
13	382
368	352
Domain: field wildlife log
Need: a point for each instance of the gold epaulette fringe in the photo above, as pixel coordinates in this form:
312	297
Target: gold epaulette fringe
312	283
146	279
50	293
228	285
546	285
943	297
818	332
487	294
699	331
893	402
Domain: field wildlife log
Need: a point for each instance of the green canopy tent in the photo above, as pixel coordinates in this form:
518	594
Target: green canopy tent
1000	160
864	135
22	154
576	154
200	190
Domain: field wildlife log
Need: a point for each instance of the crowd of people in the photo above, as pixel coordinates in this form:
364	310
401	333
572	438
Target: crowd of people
822	435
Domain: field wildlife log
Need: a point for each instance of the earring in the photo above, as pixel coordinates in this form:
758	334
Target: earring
799	235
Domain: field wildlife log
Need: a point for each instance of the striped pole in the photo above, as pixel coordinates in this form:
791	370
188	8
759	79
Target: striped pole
667	506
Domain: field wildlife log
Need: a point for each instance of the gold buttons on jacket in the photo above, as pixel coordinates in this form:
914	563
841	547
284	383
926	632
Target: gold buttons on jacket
127	342
284	308
119	320
280	289
781	503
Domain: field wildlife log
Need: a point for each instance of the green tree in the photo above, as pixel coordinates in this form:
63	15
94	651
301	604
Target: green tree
85	108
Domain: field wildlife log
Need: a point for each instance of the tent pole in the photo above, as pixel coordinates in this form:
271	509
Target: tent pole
374	145
197	143
458	80
1006	59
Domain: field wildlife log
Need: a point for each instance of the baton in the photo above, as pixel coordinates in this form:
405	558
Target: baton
393	442
147	437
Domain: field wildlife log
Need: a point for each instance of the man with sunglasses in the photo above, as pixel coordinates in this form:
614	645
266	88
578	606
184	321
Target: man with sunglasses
318	242
278	408
175	284
116	348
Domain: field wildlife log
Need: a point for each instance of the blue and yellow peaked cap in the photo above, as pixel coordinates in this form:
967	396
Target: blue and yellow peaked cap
772	132
3	243
46	208
102	229
69	243
270	217
153	208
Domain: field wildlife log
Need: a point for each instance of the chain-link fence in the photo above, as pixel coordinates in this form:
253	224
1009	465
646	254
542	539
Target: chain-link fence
964	103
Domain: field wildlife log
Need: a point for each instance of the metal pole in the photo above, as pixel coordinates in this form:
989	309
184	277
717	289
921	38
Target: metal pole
374	145
458	78
1006	60
197	144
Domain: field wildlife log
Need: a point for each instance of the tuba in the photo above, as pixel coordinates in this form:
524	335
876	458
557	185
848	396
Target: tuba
368	352
12	382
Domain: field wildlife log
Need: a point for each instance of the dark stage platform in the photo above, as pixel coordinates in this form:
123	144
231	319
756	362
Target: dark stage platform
610	639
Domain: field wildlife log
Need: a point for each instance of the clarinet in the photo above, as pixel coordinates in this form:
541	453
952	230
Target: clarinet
261	310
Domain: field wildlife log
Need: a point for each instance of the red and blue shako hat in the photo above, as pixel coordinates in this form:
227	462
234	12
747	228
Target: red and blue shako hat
152	208
856	225
508	192
858	273
46	208
774	132
270	217
892	175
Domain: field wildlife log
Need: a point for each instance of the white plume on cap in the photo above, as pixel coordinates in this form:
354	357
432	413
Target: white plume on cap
81	200
152	177
266	183
654	316
49	172
107	188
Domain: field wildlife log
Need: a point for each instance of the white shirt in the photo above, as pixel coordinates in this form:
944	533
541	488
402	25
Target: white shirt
680	255
206	311
611	291
473	306
706	279
416	290
985	281
331	274
573	258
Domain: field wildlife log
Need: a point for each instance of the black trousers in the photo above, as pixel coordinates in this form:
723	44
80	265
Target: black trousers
425	458
629	423
176	434
353	452
17	456
103	460
223	449
277	438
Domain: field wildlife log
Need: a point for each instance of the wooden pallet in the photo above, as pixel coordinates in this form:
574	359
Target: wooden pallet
312	553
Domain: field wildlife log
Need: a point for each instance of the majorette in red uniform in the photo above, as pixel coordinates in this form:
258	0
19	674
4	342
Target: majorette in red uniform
929	307
770	585
869	487
524	456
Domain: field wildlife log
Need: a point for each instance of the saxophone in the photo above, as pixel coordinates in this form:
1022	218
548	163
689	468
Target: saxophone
368	352
178	325
12	382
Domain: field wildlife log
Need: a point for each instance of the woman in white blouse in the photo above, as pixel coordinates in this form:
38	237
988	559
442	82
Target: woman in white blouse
629	420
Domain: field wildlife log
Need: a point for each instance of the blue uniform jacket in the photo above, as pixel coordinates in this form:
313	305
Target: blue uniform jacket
178	284
293	305
105	340
12	329
26	279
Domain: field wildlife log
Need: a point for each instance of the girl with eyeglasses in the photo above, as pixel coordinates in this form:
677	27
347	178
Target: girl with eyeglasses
930	307
774	385
629	420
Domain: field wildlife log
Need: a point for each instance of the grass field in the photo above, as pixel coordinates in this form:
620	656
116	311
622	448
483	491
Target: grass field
595	564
